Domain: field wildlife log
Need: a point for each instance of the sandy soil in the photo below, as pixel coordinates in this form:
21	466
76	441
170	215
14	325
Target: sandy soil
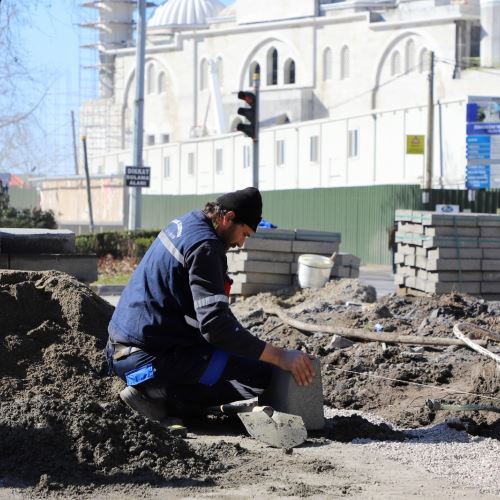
64	432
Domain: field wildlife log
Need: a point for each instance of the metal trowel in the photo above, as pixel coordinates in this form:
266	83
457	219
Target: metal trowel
277	429
280	430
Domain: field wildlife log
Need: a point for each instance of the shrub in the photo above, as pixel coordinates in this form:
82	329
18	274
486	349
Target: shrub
34	218
118	244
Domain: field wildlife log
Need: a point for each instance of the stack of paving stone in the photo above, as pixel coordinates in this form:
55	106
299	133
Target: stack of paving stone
442	253
269	259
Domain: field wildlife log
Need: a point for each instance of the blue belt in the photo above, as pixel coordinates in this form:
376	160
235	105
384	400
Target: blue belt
215	368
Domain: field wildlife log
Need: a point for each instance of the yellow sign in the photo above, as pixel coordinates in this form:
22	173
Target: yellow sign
415	144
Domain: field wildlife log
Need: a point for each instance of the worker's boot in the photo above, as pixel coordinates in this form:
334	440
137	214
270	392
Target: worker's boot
154	409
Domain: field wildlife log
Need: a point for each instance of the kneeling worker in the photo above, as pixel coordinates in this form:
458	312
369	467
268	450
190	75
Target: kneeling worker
173	338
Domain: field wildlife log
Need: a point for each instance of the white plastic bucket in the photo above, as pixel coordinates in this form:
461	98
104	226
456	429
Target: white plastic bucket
314	270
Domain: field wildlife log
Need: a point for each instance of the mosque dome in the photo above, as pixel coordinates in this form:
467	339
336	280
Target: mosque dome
185	12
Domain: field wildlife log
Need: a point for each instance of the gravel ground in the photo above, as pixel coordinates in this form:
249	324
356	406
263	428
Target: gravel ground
464	460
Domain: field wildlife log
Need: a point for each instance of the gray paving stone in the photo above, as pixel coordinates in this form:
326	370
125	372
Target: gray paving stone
311	235
286	396
469	232
267	245
448	264
452	253
450	276
242	255
275	234
491	276
491	253
262	278
490	232
82	267
489	242
35	241
317	247
490	287
253	288
465	287
255	266
4	261
490	265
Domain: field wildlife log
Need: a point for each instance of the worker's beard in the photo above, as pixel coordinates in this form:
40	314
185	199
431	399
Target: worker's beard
229	237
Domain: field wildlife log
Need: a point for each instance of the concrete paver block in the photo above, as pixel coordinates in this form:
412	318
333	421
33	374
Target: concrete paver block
311	235
286	396
255	266
491	264
449	264
4	261
253	288
489	242
263	278
451	253
268	245
82	267
37	241
319	247
262	255
275	234
490	287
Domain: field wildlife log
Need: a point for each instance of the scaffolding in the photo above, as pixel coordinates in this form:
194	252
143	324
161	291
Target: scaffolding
105	25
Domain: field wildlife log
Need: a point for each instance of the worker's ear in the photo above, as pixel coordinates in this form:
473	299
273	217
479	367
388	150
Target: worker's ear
230	215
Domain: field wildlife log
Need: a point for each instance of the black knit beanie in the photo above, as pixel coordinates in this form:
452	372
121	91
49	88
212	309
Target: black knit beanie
245	203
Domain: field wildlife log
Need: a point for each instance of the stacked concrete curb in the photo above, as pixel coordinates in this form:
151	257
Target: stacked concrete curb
45	249
443	253
269	259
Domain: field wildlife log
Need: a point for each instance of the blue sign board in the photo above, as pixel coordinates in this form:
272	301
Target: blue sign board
478	177
483	128
483	142
479	140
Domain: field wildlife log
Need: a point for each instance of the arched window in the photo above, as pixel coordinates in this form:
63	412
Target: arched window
151	79
220	70
327	64
410	56
289	71
162	83
272	67
395	63
344	63
423	60
254	68
203	74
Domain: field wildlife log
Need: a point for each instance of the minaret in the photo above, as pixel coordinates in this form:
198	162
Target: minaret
115	29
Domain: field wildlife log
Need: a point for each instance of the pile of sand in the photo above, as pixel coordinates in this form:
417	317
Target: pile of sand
61	421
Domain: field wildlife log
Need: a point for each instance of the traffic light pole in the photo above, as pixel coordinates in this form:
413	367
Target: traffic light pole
255	177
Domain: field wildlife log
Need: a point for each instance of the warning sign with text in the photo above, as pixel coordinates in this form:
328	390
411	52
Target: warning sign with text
137	176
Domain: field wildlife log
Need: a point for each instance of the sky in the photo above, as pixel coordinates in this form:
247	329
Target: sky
51	48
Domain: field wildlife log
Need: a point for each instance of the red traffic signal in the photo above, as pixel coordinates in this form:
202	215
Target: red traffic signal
249	113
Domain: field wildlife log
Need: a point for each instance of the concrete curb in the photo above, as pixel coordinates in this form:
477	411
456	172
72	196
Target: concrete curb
108	289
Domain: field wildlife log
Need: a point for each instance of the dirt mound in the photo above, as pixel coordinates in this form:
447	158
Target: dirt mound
61	421
395	380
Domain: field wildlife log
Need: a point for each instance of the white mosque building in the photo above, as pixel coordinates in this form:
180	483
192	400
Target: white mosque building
343	83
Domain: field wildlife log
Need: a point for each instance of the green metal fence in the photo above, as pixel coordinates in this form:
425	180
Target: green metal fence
362	215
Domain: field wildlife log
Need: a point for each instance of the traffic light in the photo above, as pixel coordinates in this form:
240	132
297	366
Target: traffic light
248	112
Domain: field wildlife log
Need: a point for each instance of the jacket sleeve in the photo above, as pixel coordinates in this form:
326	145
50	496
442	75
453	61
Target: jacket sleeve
218	325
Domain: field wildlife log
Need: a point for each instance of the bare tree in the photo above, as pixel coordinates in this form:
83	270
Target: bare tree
19	126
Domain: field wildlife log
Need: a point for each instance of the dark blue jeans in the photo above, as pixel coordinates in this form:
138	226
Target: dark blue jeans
177	376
